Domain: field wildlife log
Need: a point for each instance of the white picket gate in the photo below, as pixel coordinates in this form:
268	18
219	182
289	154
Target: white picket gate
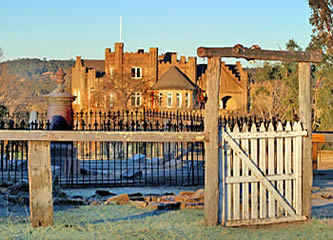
261	174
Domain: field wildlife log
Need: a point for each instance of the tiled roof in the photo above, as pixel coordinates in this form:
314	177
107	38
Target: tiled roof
174	79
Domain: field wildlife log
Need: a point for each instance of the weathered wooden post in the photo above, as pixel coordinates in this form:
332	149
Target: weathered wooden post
211	146
305	113
40	184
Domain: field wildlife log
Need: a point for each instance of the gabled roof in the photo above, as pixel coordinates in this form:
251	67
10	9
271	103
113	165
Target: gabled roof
174	79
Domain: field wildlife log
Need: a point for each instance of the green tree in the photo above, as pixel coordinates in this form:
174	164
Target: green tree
289	74
322	38
322	21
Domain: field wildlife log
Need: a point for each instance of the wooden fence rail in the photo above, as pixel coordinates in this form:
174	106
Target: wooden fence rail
40	175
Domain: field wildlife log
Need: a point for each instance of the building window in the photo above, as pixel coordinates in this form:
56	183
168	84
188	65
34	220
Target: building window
136	99
160	99
111	72
178	100
136	72
187	100
169	100
111	99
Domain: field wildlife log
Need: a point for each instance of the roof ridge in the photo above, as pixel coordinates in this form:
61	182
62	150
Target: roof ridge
173	79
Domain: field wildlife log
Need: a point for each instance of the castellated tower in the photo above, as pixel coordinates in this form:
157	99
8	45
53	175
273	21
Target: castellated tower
119	57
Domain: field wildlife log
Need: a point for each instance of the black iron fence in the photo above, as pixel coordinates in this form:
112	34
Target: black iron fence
76	164
144	120
127	164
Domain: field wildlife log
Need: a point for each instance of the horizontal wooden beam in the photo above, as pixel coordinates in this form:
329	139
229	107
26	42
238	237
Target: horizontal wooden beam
245	222
322	137
260	135
250	54
250	179
37	135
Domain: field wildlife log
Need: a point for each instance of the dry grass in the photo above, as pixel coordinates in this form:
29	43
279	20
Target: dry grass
128	222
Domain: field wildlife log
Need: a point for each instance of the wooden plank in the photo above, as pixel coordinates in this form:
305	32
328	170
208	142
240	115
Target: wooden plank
254	186
318	138
271	171
294	167
40	184
259	174
287	159
223	173
262	166
236	52
211	147
298	170
245	172
279	165
305	112
236	173
268	134
265	221
248	179
154	136
229	186
322	137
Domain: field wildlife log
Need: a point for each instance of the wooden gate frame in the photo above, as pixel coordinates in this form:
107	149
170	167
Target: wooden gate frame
214	55
230	140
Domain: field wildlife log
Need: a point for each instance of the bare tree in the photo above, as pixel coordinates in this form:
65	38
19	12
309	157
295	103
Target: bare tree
123	87
18	94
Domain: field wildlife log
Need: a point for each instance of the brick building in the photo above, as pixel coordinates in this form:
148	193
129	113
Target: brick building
145	79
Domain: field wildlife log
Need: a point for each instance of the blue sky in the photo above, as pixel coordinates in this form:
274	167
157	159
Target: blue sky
65	29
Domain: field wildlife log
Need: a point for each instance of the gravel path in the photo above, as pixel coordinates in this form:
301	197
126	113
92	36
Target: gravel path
322	194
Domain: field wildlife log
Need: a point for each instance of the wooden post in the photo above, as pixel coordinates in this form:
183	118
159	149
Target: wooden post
211	130
305	110
40	184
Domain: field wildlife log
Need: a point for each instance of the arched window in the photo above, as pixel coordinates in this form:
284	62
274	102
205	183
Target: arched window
228	103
